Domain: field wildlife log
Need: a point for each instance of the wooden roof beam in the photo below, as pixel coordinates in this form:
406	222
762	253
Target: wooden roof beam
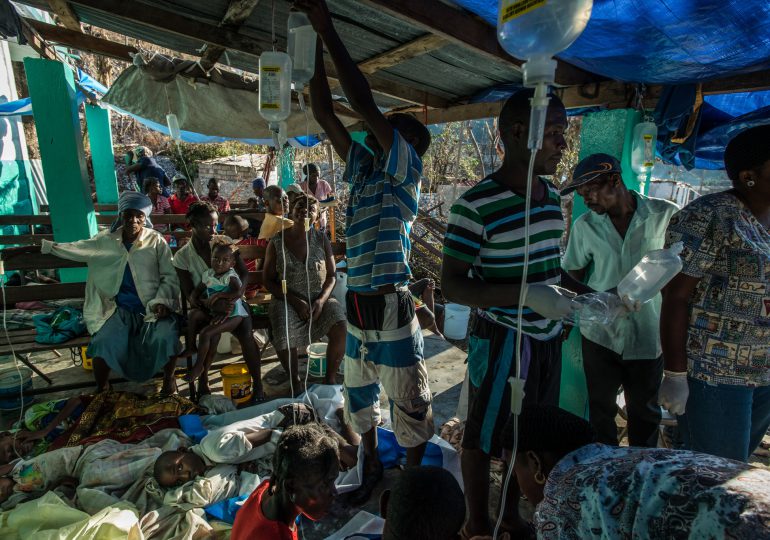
609	94
402	53
82	42
469	31
173	22
65	14
237	13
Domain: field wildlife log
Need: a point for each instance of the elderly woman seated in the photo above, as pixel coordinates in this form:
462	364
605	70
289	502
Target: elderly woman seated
305	310
131	294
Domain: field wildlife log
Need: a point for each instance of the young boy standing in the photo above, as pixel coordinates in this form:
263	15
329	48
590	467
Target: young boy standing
384	342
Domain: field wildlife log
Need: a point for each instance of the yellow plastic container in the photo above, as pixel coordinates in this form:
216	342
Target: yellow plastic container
236	383
88	362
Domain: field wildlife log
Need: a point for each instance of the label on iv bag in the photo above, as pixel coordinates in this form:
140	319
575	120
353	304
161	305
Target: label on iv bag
270	92
511	9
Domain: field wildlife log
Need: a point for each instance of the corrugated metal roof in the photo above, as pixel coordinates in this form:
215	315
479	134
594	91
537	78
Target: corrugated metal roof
451	72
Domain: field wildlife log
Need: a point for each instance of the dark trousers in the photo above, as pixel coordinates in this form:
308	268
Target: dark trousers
606	372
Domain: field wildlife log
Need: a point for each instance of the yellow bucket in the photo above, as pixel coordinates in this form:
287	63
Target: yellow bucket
236	383
88	362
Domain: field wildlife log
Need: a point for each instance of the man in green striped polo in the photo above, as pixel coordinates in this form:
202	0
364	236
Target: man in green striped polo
482	268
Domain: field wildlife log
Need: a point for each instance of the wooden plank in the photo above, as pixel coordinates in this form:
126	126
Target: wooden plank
467	30
24	239
35	261
82	42
53	291
64	13
33	347
14	219
237	13
417	47
171	21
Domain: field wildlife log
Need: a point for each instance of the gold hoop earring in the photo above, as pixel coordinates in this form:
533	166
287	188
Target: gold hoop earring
750	183
540	478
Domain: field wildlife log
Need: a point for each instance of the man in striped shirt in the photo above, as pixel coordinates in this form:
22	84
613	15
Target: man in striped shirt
482	268
384	342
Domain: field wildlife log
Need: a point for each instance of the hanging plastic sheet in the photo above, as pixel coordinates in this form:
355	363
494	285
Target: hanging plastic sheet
666	41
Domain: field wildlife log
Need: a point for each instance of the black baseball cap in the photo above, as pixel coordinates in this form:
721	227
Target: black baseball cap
591	168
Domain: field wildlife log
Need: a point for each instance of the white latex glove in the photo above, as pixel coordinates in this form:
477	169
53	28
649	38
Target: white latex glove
549	301
632	306
674	391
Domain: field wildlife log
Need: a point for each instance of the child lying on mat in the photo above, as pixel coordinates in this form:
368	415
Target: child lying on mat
100	474
179	467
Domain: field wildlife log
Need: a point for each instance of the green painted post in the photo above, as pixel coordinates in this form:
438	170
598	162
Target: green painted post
52	89
609	132
102	156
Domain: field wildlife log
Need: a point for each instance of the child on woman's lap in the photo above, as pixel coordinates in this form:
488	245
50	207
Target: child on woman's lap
217	307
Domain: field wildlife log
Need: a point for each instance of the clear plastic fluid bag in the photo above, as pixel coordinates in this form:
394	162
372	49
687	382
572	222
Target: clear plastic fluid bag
596	308
651	274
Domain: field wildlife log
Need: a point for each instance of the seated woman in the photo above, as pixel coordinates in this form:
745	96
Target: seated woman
211	313
585	490
305	468
297	256
131	295
191	262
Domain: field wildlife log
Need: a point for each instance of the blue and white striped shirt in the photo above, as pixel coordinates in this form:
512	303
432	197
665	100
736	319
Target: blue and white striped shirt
384	192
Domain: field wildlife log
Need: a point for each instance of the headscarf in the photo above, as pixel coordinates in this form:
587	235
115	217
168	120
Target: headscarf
258	183
133	200
141	151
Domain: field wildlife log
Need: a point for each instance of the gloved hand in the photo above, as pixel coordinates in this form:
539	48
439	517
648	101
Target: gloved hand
549	301
674	391
632	306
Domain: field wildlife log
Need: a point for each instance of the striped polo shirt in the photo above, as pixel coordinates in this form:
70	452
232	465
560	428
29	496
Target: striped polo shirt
486	229
384	191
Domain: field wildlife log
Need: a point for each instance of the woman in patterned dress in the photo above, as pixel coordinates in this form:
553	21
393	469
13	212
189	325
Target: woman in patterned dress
305	259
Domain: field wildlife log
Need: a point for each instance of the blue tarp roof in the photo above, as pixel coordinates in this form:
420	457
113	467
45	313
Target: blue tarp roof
673	42
666	41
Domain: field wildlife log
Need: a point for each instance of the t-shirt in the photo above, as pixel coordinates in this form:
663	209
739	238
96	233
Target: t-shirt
728	337
486	230
222	205
383	203
251	523
150	169
179	206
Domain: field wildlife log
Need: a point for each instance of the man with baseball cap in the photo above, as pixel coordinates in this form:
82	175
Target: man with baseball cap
605	243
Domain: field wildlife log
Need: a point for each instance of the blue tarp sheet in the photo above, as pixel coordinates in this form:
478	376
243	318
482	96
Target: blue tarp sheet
666	41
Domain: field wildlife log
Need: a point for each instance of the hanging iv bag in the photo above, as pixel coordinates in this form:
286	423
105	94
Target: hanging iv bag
275	92
173	127
643	148
535	31
301	49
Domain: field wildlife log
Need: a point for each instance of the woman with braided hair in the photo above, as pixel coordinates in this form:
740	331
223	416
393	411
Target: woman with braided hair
305	468
583	489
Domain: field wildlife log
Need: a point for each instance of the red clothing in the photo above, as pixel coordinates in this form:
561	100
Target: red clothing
251	264
222	205
181	207
251	523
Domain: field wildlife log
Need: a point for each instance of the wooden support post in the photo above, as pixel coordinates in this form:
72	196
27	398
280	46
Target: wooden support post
54	106
102	155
